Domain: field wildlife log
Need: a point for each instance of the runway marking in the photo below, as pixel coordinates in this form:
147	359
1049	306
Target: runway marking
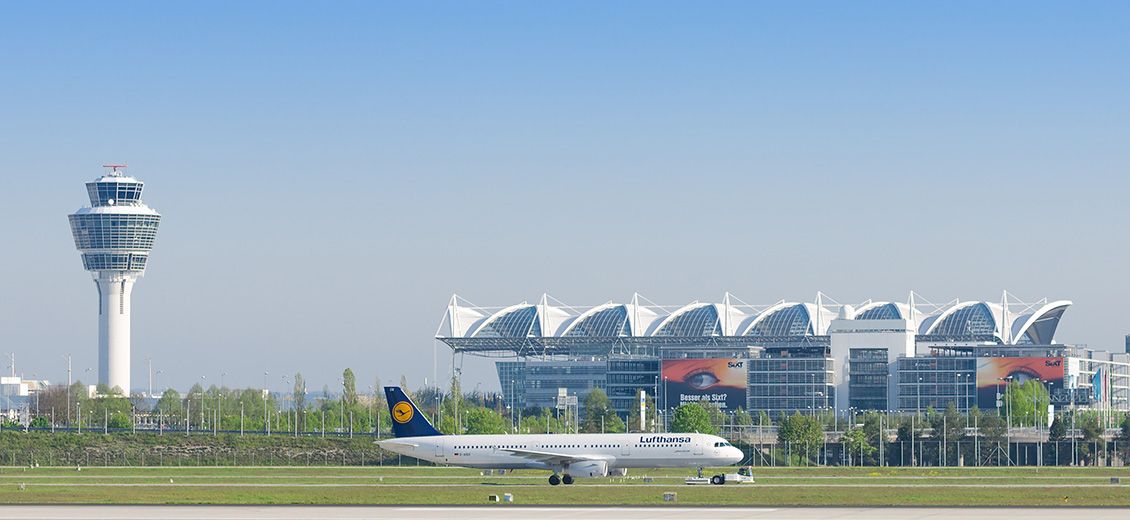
302	512
575	509
11	476
501	486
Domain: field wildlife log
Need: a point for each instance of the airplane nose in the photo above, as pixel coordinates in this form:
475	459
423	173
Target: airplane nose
735	455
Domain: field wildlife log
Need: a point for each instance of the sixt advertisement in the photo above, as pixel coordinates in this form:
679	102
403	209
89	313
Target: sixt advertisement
717	381
993	374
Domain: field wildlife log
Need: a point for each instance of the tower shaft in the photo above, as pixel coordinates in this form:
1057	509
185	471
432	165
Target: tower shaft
114	289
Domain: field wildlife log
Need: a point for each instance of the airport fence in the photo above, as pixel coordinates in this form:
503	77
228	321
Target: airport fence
933	453
241	458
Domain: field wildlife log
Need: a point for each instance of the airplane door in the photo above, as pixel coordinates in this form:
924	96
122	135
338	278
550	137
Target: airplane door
439	447
625	449
698	446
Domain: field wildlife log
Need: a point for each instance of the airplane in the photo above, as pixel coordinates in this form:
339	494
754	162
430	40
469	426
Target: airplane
568	456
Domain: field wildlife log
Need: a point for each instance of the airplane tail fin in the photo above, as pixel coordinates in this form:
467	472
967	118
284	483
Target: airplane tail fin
407	420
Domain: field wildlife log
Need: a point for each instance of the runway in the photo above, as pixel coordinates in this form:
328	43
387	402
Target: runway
515	512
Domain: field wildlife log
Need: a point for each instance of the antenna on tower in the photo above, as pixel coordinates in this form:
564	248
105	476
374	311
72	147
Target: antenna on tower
114	168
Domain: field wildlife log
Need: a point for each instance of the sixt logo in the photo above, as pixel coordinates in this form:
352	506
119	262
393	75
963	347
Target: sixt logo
1053	362
735	364
665	440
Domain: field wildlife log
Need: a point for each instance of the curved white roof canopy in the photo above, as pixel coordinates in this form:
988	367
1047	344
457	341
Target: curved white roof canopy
515	321
966	318
787	319
693	320
784	319
607	320
1039	327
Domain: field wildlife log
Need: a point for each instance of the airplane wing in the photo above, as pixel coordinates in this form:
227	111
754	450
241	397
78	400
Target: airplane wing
553	459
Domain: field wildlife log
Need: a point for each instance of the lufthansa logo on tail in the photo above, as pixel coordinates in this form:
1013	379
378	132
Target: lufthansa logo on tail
402	412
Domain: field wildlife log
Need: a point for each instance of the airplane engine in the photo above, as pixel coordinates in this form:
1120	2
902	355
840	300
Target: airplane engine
596	468
618	472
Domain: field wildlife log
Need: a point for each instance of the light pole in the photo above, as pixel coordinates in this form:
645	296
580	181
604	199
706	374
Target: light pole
284	396
666	405
812	393
219	401
1008	416
918	408
266	392
203	381
68	356
1007	405
37	389
963	381
1035	406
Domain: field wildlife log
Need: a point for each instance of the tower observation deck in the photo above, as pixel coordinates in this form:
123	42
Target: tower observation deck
114	234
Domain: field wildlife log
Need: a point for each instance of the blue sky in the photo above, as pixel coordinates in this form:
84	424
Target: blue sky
331	173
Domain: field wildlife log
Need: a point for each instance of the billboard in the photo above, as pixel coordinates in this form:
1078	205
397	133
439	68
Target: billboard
993	374
718	381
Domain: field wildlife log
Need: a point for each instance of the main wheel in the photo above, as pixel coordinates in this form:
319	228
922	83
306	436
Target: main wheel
554	480
567	479
717	480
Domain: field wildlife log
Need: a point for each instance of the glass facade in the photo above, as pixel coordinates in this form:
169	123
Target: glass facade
973	320
114	192
518	323
782	386
118	233
114	261
936	381
111	231
868	378
544	378
611	322
698	322
512	378
788	321
626	377
887	311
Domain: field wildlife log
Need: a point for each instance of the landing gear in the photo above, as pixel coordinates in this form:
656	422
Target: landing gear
555	480
567	479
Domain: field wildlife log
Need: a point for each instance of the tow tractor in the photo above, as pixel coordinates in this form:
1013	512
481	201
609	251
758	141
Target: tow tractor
743	476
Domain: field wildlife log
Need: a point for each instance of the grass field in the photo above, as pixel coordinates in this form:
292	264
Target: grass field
423	485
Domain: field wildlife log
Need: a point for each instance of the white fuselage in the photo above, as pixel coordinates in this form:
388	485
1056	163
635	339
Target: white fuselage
617	450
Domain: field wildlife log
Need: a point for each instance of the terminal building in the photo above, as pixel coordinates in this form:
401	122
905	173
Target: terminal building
786	357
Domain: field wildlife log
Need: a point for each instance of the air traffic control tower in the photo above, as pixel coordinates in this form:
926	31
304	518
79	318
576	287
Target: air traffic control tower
114	235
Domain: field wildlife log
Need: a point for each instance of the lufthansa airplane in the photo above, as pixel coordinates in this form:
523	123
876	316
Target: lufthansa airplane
568	455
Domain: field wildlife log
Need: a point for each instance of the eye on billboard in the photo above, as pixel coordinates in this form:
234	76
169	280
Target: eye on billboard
717	381
994	373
